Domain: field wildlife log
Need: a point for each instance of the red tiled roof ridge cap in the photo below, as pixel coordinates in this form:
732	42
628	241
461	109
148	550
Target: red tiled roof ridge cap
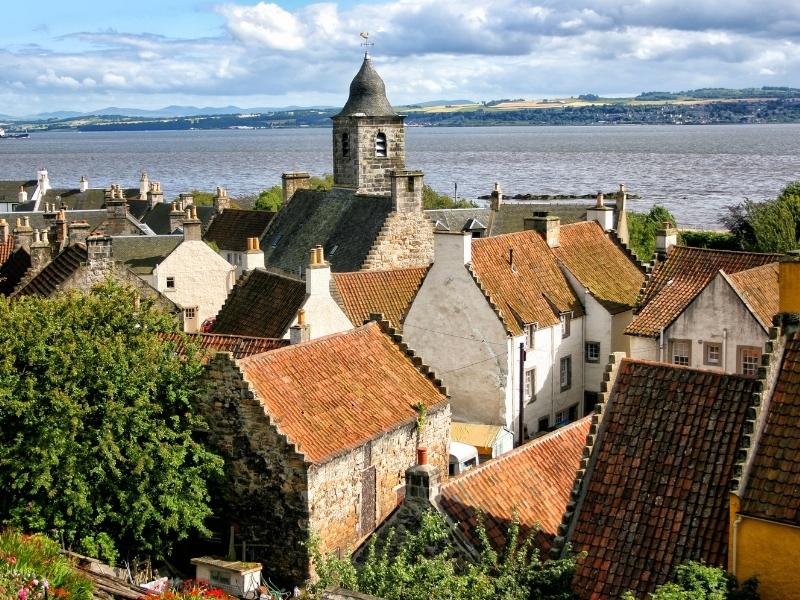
530	444
718	251
655	363
231	336
385	270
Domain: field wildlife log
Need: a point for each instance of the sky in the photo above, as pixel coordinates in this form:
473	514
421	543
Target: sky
88	54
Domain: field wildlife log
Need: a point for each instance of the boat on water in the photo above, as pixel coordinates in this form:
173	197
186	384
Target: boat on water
13	136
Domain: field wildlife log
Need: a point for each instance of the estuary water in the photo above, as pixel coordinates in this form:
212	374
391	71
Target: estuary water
695	171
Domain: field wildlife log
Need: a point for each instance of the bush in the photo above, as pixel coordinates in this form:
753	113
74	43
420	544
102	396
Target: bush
432	199
424	567
642	230
769	226
715	240
698	581
33	563
272	199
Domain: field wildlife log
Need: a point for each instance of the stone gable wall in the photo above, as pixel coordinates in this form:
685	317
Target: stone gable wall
405	240
266	479
335	488
362	169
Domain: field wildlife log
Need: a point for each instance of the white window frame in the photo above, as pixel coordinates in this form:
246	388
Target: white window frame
190	312
707	349
678	359
565	319
748	360
565	375
586	353
170	283
530	385
530	335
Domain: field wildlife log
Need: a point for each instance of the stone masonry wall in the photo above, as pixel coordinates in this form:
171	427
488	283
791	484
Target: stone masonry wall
362	168
405	240
266	479
335	488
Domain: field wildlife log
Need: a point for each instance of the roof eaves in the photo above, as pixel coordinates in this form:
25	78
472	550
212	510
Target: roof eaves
492	303
741	296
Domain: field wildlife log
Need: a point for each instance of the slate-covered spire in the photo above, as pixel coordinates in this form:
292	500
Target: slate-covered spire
367	94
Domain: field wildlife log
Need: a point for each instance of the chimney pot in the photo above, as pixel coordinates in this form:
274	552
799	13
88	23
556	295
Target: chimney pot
422	456
301	317
600	199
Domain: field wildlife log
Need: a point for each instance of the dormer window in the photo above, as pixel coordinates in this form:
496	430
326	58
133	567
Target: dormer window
345	144
380	144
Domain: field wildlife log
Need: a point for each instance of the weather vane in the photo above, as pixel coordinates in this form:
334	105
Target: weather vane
366	43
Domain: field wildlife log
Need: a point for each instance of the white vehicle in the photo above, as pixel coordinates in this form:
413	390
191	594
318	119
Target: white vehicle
462	458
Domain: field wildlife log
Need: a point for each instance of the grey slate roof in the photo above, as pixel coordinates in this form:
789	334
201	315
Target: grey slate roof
142	253
37	220
9	190
231	228
345	224
367	94
157	219
509	219
61	268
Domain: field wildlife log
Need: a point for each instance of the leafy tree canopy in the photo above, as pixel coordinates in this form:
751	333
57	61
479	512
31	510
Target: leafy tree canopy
272	199
96	424
207	199
432	199
698	581
769	226
642	229
423	566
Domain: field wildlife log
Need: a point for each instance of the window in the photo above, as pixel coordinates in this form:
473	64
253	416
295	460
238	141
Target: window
530	335
590	400
543	424
749	358
380	144
345	144
170	283
530	385
567	416
566	373
681	352
239	259
592	352
190	312
565	319
230	258
712	354
410	184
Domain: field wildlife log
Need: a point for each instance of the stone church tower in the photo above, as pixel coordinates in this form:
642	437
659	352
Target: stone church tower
368	137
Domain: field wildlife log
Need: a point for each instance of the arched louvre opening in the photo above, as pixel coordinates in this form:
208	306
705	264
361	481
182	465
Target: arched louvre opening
380	144
345	144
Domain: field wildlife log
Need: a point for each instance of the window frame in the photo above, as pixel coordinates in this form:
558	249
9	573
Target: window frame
707	346
530	335
530	385
740	364
586	347
186	312
672	346
546	421
381	145
568	415
565	319
565	361
170	282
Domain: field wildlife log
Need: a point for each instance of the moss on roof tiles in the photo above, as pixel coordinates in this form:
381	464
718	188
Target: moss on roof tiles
142	253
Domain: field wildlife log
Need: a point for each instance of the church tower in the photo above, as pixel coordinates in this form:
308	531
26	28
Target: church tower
368	137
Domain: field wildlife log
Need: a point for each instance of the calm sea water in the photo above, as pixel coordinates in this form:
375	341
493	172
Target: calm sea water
694	171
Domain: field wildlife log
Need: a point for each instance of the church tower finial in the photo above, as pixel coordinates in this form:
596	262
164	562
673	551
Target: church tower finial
366	43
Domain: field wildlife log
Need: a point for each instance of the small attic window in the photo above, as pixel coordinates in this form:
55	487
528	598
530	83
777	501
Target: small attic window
345	144
276	240
380	145
333	250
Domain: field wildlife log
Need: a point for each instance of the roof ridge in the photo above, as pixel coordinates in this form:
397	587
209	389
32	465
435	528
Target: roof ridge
655	363
384	270
492	304
719	251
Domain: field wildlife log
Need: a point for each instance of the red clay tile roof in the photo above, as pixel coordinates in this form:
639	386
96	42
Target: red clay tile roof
600	265
62	267
6	249
657	493
231	228
533	290
261	304
337	392
676	281
388	292
535	480
758	287
238	345
773	489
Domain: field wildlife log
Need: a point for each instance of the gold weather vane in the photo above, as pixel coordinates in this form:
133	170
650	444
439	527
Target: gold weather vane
366	43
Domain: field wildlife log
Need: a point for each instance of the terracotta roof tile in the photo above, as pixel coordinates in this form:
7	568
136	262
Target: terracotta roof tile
388	292
337	392
261	304
57	271
534	480
533	289
657	493
676	281
231	228
758	287
238	345
6	249
600	265
773	488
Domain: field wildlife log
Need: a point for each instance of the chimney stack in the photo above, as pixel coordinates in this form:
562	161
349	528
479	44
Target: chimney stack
61	227
621	215
77	232
789	283
83	184
144	186
3	231
191	226
601	213
422	482
155	195
497	197
23	234
99	254
452	247
22	196
254	257
406	189
291	182
221	200
176	216
301	331
40	251
187	200
116	206
44	182
546	225
318	274
666	238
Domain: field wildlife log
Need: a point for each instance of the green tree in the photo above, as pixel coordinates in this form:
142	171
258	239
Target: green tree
642	230
433	199
201	198
699	581
96	424
272	199
424	566
769	226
